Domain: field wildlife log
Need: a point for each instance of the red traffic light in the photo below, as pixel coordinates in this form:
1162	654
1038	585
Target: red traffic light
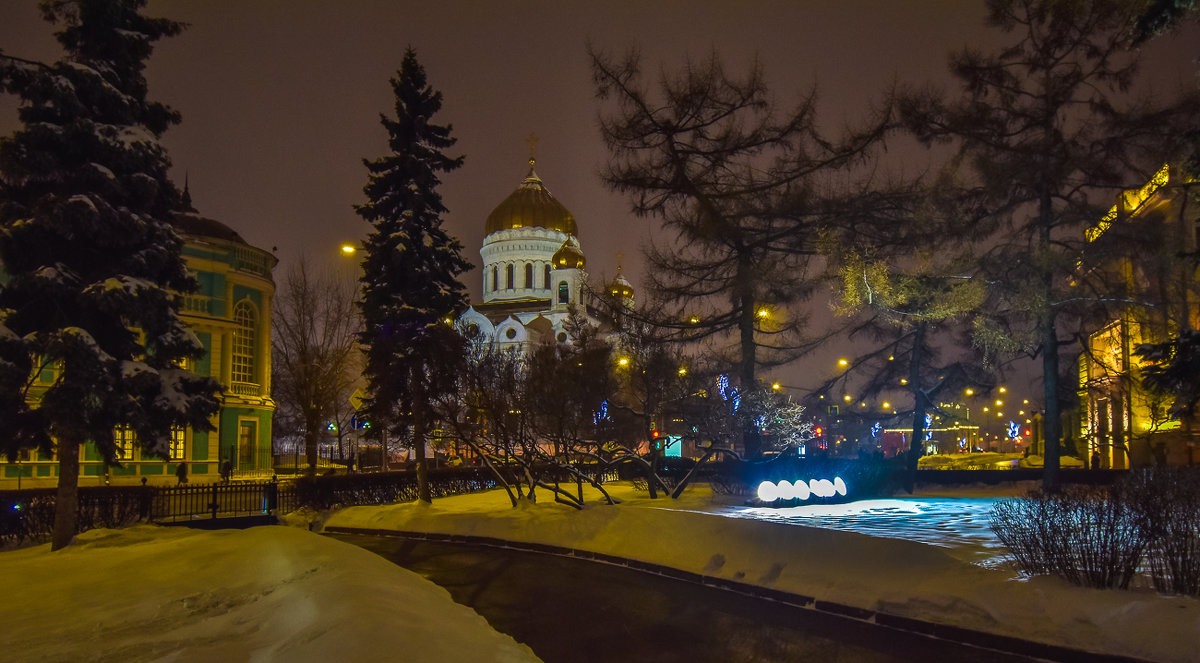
818	431
654	434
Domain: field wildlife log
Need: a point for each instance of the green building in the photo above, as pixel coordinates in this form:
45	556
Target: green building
231	315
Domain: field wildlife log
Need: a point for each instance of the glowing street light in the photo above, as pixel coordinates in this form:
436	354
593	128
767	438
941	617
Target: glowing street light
843	362
682	371
623	361
999	402
1003	389
348	249
847	398
970	391
776	386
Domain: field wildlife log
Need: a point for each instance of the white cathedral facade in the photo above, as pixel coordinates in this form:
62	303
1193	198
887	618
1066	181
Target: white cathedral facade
534	271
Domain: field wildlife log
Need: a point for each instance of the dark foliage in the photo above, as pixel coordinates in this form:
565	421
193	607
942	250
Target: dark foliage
1049	131
93	264
736	184
410	274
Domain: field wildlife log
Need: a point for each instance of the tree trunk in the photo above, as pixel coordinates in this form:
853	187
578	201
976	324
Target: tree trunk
312	432
418	439
1052	426
748	359
66	502
920	409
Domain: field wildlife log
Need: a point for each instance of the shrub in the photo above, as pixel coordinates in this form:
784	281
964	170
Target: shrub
1088	536
1166	502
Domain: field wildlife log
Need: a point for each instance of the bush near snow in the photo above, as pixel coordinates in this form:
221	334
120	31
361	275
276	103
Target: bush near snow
1100	537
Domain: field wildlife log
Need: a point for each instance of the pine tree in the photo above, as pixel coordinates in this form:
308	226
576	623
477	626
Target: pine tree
1050	131
905	258
410	273
93	265
740	186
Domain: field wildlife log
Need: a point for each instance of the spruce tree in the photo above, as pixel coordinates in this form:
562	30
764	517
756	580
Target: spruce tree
93	267
410	273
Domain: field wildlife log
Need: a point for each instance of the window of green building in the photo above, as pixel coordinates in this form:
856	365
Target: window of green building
244	319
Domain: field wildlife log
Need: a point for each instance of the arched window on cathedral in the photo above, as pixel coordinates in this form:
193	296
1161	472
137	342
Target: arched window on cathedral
528	275
245	332
509	273
546	277
495	279
564	292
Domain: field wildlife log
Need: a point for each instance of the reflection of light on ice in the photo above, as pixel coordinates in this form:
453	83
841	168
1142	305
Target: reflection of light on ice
958	523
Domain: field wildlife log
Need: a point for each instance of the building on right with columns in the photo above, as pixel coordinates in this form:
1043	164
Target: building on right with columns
1123	424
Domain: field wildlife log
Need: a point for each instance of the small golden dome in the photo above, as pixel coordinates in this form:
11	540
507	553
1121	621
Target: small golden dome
568	256
531	205
620	287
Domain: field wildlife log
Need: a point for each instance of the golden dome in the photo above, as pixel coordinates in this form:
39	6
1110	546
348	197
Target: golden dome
620	287
568	256
531	205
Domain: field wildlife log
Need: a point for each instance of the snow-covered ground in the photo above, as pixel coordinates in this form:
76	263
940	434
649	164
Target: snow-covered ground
285	594
909	578
265	594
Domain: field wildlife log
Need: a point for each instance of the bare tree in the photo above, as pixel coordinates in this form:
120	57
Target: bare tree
316	361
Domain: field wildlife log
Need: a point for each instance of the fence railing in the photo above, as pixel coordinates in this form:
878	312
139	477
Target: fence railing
28	515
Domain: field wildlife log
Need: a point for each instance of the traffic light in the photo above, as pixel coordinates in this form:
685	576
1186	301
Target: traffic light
818	430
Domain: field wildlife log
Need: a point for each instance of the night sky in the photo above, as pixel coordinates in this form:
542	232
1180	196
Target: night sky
280	100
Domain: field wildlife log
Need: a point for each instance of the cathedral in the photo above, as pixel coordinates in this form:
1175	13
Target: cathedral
534	271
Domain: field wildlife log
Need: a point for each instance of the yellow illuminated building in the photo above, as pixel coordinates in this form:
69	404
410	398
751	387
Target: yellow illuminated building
1123	423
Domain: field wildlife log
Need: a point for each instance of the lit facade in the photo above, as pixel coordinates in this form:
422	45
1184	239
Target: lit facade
534	271
231	315
1122	423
